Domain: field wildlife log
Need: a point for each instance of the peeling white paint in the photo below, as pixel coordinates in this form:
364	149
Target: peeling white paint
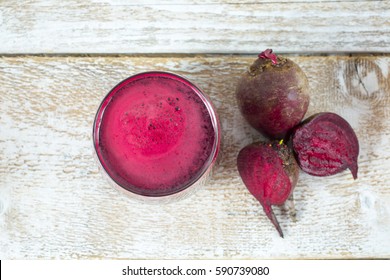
55	204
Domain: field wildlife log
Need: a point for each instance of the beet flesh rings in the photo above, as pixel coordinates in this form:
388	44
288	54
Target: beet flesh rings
326	144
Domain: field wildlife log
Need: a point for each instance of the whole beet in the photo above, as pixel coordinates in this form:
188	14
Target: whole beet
270	173
273	95
325	144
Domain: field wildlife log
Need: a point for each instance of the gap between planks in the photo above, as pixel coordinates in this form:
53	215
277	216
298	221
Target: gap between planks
200	54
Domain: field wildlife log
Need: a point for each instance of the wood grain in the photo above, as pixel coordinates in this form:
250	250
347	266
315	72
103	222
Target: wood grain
54	202
193	26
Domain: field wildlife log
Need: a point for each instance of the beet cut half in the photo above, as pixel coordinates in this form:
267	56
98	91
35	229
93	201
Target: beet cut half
325	144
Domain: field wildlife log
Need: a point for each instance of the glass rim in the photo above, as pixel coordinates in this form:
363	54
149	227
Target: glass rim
210	109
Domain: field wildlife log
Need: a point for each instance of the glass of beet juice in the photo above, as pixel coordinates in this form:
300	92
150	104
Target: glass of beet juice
156	136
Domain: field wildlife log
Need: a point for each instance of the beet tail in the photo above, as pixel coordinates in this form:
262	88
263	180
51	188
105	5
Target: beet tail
270	214
354	170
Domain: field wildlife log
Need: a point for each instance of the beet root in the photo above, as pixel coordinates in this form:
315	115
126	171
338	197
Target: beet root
270	173
325	144
273	95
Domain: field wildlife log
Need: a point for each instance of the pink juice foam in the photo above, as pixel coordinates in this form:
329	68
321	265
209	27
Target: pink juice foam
156	134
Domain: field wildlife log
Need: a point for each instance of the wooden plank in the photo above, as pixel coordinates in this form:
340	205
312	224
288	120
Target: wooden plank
190	27
159	2
55	204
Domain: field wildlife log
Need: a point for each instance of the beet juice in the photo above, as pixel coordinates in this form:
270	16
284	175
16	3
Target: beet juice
156	134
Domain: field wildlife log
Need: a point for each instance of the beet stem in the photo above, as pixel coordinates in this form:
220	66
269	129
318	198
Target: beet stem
267	54
270	214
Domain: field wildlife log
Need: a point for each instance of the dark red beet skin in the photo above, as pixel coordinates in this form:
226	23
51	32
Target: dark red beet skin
325	144
273	95
270	173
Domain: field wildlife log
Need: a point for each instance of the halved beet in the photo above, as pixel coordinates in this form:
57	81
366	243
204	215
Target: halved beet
270	173
273	95
325	144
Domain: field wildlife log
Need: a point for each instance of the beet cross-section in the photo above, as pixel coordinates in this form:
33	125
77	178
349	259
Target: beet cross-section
325	144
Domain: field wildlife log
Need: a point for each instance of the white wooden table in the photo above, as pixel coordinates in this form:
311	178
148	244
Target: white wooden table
59	59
